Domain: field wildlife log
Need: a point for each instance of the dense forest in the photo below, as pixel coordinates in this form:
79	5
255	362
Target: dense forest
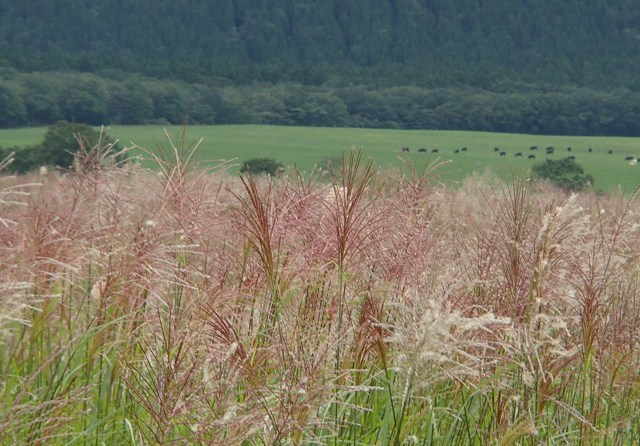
520	66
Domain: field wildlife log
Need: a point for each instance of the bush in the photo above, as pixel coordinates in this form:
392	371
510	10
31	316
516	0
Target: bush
565	173
331	166
58	148
24	159
256	166
60	143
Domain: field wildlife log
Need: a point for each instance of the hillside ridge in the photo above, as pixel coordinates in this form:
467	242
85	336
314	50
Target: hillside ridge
438	42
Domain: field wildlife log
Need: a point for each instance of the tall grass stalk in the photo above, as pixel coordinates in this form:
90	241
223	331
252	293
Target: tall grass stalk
185	306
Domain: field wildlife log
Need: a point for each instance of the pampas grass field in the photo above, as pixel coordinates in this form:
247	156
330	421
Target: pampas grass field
189	306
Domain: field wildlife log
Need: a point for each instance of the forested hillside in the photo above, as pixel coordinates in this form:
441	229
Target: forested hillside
432	42
467	54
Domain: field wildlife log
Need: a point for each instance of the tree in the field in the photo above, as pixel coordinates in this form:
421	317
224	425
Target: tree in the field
256	166
61	143
565	173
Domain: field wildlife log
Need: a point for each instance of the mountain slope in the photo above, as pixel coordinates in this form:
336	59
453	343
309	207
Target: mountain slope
584	42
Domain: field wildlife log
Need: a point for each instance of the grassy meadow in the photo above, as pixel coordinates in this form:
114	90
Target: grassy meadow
308	146
185	306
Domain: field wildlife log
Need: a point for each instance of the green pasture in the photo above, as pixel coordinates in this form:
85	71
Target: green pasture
307	146
21	137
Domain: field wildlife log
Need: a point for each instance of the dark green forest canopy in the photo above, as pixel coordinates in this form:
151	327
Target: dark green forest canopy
518	66
430	42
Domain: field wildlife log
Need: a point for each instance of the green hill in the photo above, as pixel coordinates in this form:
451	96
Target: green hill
586	42
519	66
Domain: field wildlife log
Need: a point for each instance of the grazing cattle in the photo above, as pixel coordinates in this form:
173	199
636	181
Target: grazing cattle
531	157
550	149
433	150
533	148
628	158
405	149
422	149
503	153
568	149
456	151
464	149
518	154
590	150
610	152
496	149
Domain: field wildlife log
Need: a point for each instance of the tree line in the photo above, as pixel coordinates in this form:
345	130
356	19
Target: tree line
33	99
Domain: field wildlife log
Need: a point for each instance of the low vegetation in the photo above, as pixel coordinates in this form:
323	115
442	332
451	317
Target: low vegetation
257	166
59	148
565	173
184	306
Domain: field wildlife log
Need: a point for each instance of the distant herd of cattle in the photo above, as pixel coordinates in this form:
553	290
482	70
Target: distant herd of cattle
548	151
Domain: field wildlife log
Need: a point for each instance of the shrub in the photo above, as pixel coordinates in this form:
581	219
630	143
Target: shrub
256	166
24	159
332	165
565	173
61	142
59	147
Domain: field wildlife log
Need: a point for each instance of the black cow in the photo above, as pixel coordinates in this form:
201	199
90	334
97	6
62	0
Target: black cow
590	150
433	150
610	152
503	153
533	148
518	154
531	157
568	149
456	151
496	149
628	158
464	149
422	149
